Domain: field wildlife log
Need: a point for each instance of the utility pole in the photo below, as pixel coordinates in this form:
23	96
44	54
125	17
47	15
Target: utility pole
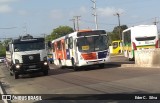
95	12
74	23
77	20
155	22
118	15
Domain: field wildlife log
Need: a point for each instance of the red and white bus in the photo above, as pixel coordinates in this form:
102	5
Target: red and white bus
82	48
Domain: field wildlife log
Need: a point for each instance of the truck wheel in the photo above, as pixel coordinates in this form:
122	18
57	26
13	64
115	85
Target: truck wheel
16	76
45	72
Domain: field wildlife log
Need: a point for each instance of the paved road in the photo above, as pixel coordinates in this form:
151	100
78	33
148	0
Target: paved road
91	80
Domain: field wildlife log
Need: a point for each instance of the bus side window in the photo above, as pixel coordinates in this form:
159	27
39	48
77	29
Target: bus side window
70	44
53	47
66	44
127	37
63	46
59	45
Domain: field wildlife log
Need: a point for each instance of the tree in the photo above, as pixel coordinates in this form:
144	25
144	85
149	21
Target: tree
59	32
3	45
114	35
2	50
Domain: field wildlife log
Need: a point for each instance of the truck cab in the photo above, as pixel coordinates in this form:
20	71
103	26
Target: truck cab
27	55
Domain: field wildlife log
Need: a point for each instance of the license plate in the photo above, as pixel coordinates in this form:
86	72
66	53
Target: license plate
32	66
147	42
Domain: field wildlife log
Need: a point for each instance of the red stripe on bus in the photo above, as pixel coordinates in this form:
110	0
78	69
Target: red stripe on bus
89	56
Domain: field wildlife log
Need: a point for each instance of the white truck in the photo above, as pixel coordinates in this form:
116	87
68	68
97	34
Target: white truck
27	55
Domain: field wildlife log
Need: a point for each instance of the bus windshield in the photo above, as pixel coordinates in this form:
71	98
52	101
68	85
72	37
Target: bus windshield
29	46
93	43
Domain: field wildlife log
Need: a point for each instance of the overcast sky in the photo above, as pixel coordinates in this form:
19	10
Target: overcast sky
37	17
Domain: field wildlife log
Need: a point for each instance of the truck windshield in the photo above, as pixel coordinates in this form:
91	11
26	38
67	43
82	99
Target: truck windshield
29	46
92	43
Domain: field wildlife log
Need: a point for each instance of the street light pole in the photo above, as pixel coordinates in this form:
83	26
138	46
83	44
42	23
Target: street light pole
119	25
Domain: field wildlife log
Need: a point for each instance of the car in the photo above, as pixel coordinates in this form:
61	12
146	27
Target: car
1	59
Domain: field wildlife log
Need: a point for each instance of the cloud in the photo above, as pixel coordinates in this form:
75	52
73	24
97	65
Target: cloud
56	14
5	9
22	12
81	11
4	6
7	1
108	11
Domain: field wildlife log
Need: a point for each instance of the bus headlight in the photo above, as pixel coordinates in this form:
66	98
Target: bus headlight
18	66
45	63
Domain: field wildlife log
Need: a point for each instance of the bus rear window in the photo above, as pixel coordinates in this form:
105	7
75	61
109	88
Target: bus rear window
145	38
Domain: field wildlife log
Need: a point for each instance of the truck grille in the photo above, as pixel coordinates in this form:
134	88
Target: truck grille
33	58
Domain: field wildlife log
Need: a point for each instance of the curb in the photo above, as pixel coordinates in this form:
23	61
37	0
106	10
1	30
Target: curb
116	55
138	66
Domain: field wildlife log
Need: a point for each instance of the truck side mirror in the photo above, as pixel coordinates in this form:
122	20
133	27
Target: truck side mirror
49	44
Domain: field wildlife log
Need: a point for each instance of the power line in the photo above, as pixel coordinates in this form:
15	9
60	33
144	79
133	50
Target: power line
95	12
74	23
155	22
87	21
77	21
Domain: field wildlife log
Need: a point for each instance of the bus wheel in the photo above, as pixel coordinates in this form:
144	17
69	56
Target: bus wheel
101	65
131	59
73	65
60	64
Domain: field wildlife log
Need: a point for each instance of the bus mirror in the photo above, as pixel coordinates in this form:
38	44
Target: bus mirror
49	44
77	43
